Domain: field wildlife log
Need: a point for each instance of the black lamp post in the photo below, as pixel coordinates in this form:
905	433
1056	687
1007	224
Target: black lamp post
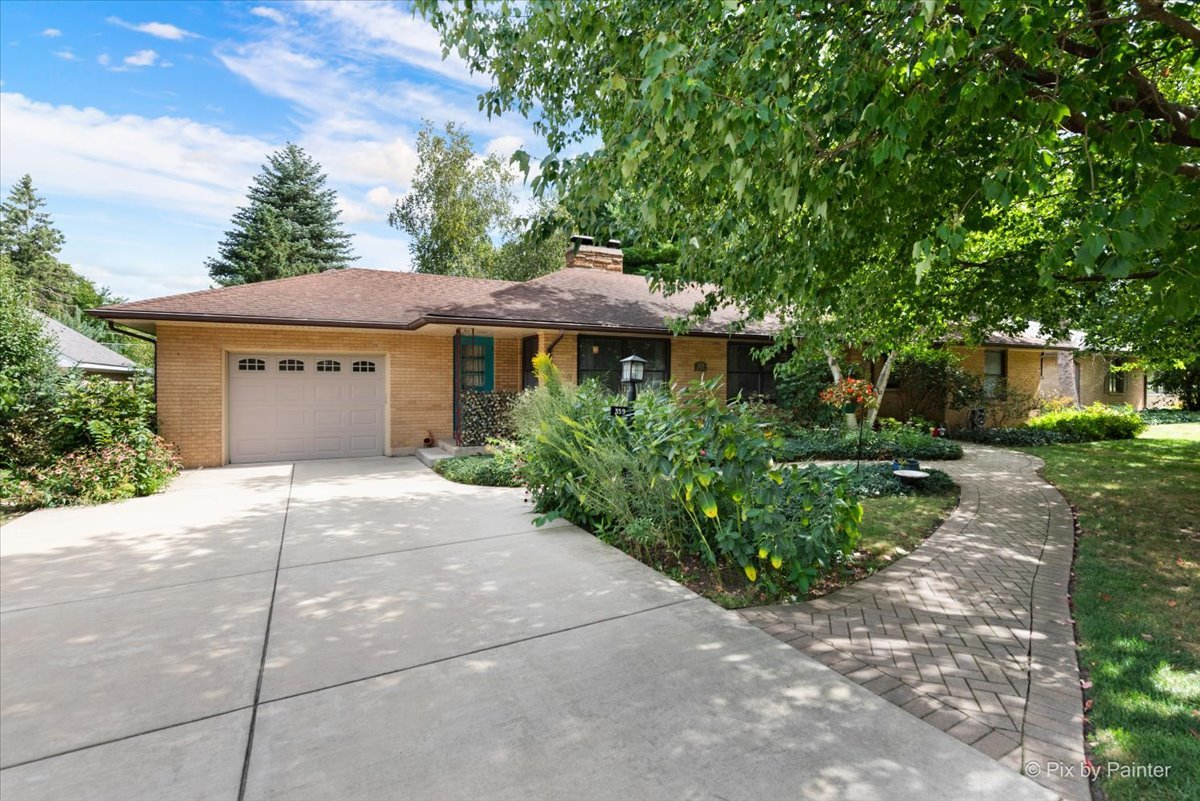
633	371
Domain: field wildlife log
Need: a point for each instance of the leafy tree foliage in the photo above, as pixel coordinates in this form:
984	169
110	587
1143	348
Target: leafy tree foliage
290	225
1183	382
460	203
825	159
29	246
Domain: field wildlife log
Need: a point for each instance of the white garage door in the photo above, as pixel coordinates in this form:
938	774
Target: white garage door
304	406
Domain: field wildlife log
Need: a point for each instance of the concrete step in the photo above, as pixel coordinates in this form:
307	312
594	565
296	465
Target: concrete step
431	456
449	447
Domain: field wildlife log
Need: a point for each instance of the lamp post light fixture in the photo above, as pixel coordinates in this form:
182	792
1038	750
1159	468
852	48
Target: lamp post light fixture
633	372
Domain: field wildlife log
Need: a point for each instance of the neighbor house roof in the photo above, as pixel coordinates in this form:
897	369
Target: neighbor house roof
359	298
76	350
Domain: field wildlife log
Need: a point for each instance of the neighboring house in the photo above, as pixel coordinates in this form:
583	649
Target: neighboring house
1002	361
76	351
362	362
1087	377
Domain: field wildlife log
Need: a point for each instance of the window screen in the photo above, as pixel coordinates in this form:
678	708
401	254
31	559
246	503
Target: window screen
600	358
746	375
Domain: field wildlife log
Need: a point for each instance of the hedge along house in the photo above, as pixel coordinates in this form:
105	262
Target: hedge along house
362	362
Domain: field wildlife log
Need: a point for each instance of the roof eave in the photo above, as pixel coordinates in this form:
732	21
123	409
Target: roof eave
455	319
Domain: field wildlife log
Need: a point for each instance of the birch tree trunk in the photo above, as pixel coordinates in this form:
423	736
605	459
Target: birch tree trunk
881	385
850	417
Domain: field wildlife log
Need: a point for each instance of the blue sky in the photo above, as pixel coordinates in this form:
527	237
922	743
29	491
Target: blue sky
142	123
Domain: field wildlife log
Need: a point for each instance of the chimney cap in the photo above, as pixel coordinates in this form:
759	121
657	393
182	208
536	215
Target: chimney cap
613	243
580	239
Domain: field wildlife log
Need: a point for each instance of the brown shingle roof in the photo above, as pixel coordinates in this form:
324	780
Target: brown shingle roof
569	298
591	299
350	297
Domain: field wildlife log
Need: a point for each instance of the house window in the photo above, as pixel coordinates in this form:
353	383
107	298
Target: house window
600	357
291	366
995	372
746	375
362	367
329	366
1114	383
252	365
529	349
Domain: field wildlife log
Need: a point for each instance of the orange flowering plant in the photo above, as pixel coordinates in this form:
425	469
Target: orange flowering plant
851	392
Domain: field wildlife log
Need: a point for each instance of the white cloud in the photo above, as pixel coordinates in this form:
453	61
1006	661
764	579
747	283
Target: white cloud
53	33
382	196
273	14
66	55
354	212
383	29
142	58
161	30
103	59
162	162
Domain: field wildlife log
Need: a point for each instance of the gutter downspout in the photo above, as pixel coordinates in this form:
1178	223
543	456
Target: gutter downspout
550	349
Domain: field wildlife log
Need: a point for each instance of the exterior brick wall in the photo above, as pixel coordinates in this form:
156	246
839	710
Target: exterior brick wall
1024	373
1093	383
192	370
686	351
507	355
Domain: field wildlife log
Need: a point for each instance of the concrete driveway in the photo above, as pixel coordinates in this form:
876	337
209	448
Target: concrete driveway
363	629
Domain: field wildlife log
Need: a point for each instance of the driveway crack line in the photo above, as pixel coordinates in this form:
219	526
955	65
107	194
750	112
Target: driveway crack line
262	663
485	649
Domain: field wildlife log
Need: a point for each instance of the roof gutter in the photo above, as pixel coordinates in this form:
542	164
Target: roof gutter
112	326
112	315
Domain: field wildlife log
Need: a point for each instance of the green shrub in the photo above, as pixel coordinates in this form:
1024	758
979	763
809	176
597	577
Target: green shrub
1096	422
1156	417
798	388
141	466
687	474
823	443
483	471
1021	437
90	412
29	377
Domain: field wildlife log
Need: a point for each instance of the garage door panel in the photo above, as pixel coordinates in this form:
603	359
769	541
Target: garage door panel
279	414
327	418
365	417
291	392
363	392
328	446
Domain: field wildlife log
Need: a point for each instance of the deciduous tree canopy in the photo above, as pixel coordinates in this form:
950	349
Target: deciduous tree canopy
962	165
460	203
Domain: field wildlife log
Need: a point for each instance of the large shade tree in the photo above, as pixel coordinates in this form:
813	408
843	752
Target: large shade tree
949	167
290	225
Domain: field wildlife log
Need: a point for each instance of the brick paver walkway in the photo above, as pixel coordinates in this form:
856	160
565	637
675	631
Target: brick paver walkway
971	632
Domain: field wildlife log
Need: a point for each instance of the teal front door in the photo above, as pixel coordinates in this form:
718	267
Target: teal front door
474	370
476	362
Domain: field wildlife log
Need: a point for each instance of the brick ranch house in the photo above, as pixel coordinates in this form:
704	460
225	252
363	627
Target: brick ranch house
362	362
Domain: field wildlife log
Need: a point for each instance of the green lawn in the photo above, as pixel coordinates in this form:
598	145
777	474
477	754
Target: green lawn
1137	601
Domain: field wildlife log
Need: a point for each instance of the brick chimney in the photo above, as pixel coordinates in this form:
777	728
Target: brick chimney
584	254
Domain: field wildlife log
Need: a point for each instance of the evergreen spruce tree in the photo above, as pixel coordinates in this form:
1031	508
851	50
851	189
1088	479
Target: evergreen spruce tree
289	227
31	242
